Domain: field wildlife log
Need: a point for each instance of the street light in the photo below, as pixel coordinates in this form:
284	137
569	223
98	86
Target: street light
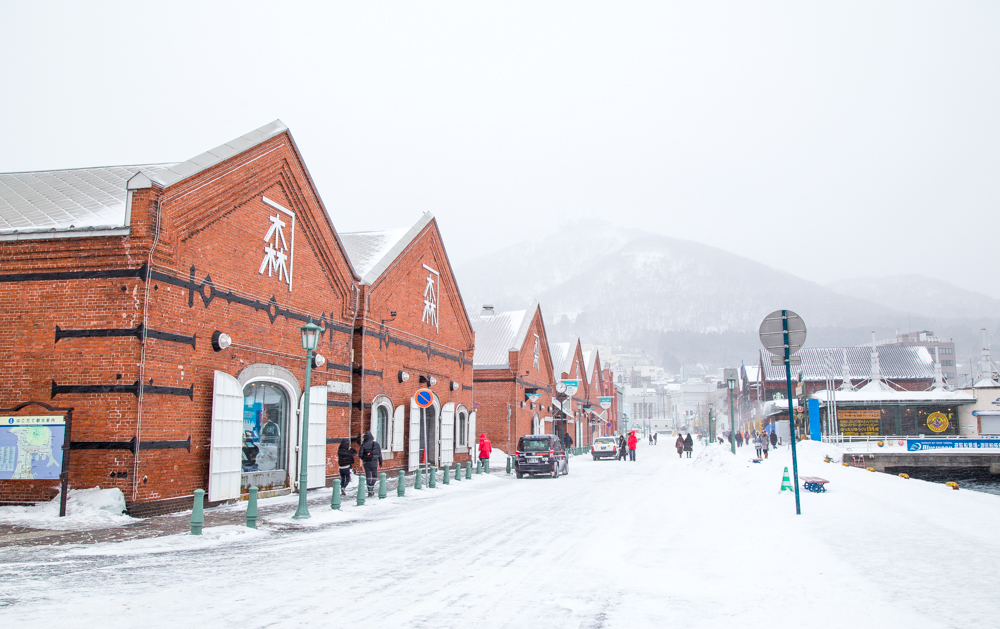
731	383
310	340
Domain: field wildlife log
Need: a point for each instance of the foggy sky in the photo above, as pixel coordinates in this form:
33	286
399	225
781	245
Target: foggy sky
857	138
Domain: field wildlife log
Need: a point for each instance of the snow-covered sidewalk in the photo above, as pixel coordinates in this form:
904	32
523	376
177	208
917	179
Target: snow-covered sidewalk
705	542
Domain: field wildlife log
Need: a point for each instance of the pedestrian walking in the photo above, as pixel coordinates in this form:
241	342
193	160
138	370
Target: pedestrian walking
679	444
622	447
371	459
688	445
763	446
655	435
774	438
345	459
756	444
739	439
485	449
633	441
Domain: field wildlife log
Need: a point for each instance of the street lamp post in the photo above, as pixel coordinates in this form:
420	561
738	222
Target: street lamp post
731	383
310	340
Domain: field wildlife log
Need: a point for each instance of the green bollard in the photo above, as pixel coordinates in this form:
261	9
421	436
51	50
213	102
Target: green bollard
446	474
458	471
432	477
335	497
418	480
486	466
508	464
479	466
198	512
381	486
252	508
401	484
468	470
362	489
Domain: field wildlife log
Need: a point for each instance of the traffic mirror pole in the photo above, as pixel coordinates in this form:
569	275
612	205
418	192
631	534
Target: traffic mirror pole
791	414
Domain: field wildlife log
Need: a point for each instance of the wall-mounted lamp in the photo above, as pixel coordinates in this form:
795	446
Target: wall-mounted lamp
428	380
220	341
318	361
403	376
392	317
454	385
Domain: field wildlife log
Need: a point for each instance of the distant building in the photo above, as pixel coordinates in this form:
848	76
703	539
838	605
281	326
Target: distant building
925	338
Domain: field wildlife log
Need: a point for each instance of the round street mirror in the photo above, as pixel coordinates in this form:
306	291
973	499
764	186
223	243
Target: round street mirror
560	387
772	332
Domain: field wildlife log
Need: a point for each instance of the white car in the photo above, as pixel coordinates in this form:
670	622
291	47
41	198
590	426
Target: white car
604	447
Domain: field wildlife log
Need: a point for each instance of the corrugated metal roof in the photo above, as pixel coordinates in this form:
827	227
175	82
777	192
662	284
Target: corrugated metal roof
75	199
895	361
563	355
500	333
371	253
87	199
365	249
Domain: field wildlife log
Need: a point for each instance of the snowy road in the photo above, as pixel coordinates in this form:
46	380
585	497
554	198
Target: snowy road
706	542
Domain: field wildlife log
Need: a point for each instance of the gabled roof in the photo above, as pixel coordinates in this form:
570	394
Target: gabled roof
563	355
500	333
371	253
92	201
590	355
896	362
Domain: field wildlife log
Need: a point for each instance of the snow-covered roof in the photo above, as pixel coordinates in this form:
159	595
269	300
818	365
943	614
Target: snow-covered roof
500	333
563	355
866	394
896	362
92	201
371	253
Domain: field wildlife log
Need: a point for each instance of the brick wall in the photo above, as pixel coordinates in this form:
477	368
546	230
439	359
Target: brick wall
409	343
204	277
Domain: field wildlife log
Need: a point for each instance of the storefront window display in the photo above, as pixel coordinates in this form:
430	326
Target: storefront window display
265	434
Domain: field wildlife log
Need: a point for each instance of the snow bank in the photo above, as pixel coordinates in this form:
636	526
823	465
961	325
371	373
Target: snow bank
818	450
498	459
85	509
720	459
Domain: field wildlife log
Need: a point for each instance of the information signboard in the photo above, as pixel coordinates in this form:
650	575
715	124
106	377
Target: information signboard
31	446
859	423
920	445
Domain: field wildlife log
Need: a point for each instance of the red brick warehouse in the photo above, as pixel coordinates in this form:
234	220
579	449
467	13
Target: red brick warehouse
114	282
513	373
412	332
569	364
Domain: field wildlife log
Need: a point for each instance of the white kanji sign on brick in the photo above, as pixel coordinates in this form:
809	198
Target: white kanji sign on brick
279	250
432	294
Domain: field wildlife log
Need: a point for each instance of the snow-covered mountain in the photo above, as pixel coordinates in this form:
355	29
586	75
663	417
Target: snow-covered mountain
617	285
684	302
920	295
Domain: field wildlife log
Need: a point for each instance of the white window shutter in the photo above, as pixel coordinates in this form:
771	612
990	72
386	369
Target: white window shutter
225	464
473	438
317	437
448	433
414	455
398	427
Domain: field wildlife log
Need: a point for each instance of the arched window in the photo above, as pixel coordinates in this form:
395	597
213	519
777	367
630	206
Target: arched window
462	428
381	424
266	413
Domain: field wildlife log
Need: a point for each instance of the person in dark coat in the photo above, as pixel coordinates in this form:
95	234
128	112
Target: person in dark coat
688	445
567	440
371	458
679	444
345	459
622	448
774	438
739	439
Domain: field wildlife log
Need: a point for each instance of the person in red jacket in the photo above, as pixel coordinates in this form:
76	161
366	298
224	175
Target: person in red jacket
485	448
632	441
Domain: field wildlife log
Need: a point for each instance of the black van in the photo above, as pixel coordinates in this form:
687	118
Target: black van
540	454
